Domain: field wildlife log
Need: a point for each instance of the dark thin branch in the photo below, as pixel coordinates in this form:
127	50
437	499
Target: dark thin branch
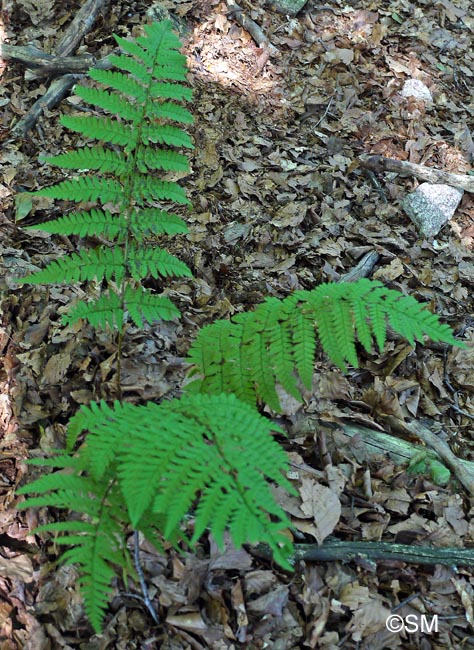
334	549
46	64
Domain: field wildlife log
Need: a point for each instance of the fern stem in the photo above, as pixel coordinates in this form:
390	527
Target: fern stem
127	204
118	374
146	597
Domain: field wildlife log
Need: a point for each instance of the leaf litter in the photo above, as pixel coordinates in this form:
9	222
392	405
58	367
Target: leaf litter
280	202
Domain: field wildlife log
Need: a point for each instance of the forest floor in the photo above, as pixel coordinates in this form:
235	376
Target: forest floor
280	202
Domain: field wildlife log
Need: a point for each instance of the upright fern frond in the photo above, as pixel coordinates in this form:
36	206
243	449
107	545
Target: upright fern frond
275	344
142	111
147	467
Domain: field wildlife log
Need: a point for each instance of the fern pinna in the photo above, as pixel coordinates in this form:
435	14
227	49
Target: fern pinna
275	344
147	467
140	106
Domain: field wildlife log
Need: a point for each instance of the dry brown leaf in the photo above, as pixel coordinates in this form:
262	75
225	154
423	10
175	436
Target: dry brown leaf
323	505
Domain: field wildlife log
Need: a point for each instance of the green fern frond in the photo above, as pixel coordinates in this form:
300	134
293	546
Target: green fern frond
170	91
121	82
110	263
88	417
147	188
97	541
135	68
102	128
140	101
153	158
144	306
213	453
275	344
170	111
109	309
166	134
110	103
155	262
198	451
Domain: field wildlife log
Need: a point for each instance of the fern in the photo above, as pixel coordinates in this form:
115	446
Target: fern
276	343
142	109
146	467
209	454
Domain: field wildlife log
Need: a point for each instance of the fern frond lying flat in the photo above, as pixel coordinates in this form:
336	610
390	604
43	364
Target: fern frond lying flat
275	344
211	453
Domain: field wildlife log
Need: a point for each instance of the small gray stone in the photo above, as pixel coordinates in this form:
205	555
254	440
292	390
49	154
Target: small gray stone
431	206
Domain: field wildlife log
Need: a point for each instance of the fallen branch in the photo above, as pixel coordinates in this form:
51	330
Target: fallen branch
334	549
362	269
74	34
52	97
429	174
79	27
55	93
375	443
46	64
462	470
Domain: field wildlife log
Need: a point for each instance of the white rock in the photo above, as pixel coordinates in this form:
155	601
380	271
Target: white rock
431	205
416	88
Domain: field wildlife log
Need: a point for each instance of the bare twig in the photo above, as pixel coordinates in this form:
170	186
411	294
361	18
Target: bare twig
334	549
55	93
76	31
461	471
